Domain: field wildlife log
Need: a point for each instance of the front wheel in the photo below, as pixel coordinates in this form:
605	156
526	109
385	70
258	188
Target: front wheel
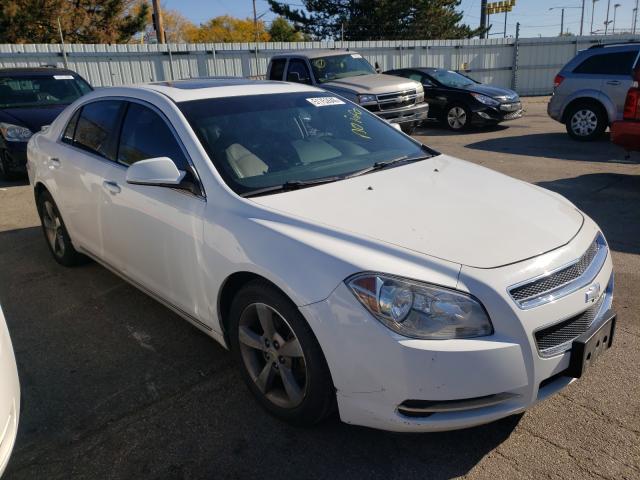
586	122
5	172
408	128
279	356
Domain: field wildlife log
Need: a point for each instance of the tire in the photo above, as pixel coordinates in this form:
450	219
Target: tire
55	233
586	121
5	174
408	128
294	386
456	117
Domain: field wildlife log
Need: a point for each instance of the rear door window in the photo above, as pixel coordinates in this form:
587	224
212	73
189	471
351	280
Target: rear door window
70	130
298	71
96	130
277	68
614	63
146	135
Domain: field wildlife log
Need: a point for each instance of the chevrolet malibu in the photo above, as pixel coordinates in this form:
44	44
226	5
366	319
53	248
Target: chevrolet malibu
343	263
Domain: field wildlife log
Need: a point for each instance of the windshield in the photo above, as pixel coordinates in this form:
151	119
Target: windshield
451	79
262	141
39	90
333	67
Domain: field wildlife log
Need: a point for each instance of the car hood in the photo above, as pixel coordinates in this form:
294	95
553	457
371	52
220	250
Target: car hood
374	84
34	118
493	92
442	207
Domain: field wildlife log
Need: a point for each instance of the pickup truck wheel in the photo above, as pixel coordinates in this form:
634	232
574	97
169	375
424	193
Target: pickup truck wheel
56	234
586	121
408	128
280	359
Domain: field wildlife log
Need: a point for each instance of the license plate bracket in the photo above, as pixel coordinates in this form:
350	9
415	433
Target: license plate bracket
590	345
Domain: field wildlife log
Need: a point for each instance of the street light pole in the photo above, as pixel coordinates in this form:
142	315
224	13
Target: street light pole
255	28
593	9
635	17
615	11
582	17
606	22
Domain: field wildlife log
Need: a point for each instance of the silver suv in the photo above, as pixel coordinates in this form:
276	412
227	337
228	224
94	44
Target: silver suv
589	92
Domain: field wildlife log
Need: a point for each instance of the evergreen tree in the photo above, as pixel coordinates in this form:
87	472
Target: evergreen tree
378	19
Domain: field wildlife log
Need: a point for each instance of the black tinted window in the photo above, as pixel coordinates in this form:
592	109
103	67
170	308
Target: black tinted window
298	71
277	69
146	135
67	136
96	128
618	63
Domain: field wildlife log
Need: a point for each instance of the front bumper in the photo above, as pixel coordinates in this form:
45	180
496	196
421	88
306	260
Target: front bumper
486	114
626	134
377	372
16	157
415	113
9	396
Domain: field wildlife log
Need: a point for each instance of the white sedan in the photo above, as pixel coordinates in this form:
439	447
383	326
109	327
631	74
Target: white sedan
342	262
9	396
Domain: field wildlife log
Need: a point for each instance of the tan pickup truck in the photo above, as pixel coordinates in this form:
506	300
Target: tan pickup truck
349	75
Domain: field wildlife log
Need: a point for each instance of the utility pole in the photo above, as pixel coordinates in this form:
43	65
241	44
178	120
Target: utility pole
255	28
562	22
64	50
157	21
606	23
483	17
582	17
635	17
504	32
593	9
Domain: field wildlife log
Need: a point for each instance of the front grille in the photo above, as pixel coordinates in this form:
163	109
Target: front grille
538	288
557	338
390	101
512	115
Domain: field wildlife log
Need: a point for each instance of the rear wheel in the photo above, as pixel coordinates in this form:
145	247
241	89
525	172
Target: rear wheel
457	118
281	361
56	234
586	121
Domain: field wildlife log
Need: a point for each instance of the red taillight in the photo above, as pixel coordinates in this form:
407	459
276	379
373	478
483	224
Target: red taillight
632	104
557	81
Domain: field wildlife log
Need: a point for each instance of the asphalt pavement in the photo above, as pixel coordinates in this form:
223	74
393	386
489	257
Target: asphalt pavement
115	386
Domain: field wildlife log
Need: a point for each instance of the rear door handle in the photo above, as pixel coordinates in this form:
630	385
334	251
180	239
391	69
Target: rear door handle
613	82
112	187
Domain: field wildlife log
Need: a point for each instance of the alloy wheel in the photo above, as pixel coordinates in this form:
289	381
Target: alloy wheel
272	355
457	118
53	228
584	122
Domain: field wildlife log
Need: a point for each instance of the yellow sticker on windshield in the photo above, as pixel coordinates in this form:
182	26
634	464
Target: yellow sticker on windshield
320	63
357	126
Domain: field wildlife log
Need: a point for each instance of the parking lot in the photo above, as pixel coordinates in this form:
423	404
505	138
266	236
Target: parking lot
114	385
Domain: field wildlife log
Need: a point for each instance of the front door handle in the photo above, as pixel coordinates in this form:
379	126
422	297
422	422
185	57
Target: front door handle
613	82
112	187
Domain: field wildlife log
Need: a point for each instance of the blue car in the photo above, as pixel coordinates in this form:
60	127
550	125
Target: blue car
29	99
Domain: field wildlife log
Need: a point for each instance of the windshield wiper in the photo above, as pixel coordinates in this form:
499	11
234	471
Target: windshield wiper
382	165
290	185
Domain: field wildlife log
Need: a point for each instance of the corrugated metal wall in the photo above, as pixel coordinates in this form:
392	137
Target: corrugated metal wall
489	61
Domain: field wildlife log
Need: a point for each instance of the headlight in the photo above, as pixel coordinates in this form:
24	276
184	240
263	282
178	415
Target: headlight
419	310
15	133
367	99
486	100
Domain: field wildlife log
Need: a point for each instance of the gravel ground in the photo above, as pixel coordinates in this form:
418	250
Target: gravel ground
116	386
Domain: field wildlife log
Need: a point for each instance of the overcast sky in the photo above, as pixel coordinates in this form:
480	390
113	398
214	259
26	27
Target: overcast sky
533	15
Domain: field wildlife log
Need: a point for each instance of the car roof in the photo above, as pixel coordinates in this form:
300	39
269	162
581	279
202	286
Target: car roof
201	88
313	53
35	71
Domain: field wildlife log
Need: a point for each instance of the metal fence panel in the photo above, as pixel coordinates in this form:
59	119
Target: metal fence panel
489	61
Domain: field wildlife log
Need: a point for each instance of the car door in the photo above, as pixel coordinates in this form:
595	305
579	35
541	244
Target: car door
153	234
78	163
617	78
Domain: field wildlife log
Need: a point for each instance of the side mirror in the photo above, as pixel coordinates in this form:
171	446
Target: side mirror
377	67
160	172
293	77
397	126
